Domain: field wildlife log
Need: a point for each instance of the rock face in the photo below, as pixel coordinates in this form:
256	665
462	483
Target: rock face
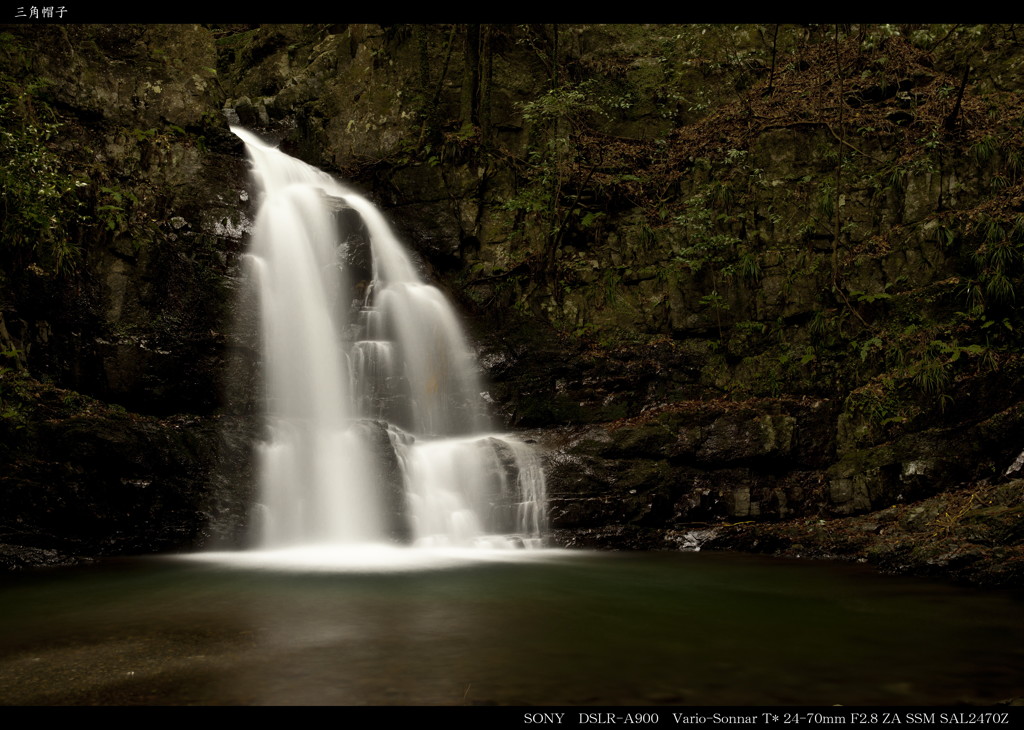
732	280
114	302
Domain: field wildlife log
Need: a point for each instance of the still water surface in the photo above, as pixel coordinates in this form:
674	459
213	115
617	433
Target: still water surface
547	628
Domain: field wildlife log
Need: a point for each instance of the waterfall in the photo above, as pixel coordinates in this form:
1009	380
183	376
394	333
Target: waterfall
375	426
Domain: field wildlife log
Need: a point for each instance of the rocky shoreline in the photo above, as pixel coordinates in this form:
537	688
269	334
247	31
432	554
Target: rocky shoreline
969	536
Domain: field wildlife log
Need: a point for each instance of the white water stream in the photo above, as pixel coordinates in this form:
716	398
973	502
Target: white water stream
375	426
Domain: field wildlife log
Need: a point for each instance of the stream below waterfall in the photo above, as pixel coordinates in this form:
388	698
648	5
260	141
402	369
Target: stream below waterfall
506	627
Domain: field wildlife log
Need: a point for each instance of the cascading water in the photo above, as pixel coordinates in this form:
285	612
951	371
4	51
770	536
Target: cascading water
376	430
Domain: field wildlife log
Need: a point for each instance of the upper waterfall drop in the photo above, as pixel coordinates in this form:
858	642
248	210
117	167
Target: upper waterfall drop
376	429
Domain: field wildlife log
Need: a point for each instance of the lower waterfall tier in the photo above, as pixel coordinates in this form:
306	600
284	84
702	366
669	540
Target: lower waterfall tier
372	479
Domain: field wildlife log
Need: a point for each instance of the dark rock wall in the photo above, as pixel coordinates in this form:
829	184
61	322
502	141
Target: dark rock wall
115	298
725	275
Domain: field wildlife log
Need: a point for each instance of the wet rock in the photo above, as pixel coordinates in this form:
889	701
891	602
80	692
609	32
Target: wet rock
86	479
956	535
382	440
735	437
19	557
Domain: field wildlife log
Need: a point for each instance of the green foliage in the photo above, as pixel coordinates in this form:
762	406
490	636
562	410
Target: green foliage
611	281
826	326
826	206
879	402
892	179
555	197
869	297
946	236
706	245
38	193
984	149
113	213
714	301
1015	162
570	104
13	394
931	374
550	158
919	370
869	346
746	267
997	260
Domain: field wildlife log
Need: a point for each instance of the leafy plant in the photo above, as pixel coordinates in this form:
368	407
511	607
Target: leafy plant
38	193
113	214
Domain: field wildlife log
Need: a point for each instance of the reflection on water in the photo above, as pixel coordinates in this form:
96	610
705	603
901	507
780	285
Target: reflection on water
555	628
